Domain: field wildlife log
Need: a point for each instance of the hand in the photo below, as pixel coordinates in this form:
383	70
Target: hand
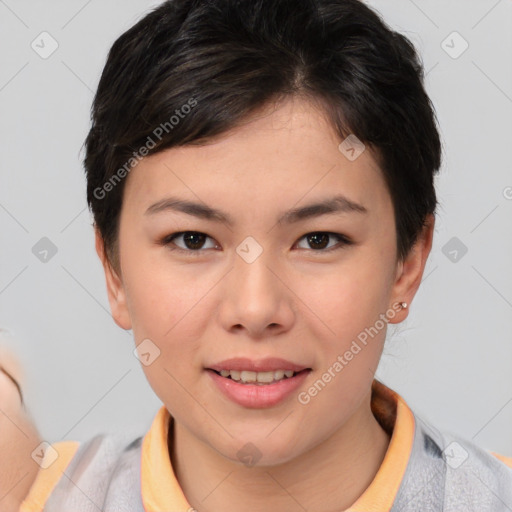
18	437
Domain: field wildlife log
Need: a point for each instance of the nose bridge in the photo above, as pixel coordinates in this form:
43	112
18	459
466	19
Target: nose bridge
251	272
253	297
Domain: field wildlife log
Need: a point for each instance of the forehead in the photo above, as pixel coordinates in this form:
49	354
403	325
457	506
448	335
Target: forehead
286	155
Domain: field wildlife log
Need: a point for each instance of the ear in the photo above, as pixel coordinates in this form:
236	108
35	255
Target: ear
115	287
410	271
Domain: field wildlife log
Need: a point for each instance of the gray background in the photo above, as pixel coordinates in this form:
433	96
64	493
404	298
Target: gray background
451	359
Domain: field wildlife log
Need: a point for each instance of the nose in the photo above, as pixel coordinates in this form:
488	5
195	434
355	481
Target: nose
255	298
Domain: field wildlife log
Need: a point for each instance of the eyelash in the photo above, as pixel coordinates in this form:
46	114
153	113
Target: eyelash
168	240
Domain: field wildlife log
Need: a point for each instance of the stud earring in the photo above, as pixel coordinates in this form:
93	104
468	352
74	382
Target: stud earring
403	305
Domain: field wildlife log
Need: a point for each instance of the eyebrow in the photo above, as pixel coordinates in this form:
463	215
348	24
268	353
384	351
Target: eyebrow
336	204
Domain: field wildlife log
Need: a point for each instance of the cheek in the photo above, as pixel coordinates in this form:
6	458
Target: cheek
166	308
168	305
160	294
344	309
347	297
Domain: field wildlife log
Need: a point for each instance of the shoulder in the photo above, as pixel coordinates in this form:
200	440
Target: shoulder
454	473
483	478
506	460
69	469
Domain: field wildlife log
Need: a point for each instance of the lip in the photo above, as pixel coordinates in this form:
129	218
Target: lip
269	364
256	396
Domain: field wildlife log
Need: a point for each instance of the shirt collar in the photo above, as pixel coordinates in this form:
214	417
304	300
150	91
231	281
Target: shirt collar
397	419
161	490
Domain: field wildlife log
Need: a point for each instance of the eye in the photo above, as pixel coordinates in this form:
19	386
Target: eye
319	240
193	241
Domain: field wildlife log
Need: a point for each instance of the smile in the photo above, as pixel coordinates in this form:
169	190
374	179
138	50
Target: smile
247	389
247	376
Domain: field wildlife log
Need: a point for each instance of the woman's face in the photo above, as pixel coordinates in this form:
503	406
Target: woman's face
257	287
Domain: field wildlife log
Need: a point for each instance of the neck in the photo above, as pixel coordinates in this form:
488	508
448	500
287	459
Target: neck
329	477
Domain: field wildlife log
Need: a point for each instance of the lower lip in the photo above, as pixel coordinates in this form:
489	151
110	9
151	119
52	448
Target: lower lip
258	396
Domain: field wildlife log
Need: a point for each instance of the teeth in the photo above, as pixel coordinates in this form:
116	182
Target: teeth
247	376
265	377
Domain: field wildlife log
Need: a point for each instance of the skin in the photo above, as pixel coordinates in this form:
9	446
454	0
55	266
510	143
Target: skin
18	438
294	301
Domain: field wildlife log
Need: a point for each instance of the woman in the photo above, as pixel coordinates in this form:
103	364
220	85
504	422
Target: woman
261	175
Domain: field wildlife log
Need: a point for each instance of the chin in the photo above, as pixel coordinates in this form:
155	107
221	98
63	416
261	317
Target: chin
260	452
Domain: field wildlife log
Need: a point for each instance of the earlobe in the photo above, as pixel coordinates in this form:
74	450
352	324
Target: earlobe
115	287
410	271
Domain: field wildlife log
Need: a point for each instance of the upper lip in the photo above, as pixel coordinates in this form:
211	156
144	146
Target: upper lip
269	364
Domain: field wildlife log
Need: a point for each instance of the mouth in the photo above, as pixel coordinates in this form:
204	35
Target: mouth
258	388
258	378
258	383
